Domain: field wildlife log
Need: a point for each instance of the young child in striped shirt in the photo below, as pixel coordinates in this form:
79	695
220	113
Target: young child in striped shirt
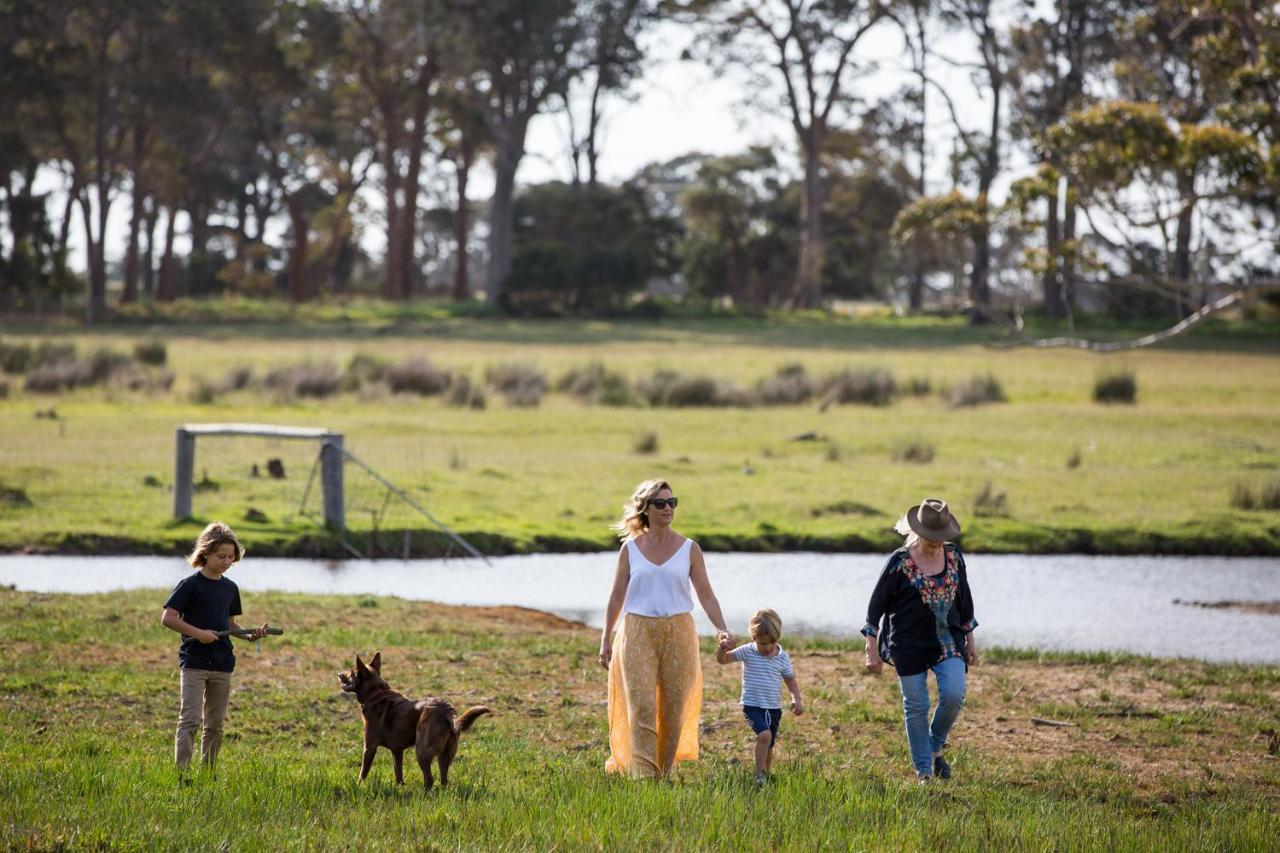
764	666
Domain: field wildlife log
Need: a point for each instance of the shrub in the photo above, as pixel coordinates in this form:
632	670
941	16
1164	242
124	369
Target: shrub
918	386
15	358
1268	497
463	393
48	352
916	452
646	442
416	375
521	385
594	383
4	390
364	369
990	502
203	392
237	378
790	386
52	377
1074	460
151	352
675	390
13	497
1120	386
870	386
976	392
309	379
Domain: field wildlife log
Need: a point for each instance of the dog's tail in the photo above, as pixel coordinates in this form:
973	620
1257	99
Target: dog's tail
469	716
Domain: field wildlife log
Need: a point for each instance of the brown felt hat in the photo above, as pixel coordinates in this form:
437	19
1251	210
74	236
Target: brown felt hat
932	519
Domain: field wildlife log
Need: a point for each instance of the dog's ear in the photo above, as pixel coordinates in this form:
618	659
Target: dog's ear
376	663
360	667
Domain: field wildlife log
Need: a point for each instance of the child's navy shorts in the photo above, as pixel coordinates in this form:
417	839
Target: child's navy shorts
763	719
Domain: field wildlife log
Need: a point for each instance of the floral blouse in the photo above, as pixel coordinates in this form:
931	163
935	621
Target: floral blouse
920	620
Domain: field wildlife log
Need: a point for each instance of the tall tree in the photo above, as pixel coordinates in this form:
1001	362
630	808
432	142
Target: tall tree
1055	58
524	54
613	59
396	49
984	20
808	49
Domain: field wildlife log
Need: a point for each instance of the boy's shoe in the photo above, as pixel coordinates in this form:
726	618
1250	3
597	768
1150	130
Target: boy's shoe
760	780
941	768
923	778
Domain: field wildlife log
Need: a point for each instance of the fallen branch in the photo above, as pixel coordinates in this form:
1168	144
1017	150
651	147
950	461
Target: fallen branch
1041	721
1182	326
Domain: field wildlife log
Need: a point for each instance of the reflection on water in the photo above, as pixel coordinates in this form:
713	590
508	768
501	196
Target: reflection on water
1045	602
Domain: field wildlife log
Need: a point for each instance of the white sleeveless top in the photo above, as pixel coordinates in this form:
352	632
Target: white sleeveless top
659	590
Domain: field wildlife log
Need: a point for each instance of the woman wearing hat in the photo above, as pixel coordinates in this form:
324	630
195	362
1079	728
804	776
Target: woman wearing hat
920	619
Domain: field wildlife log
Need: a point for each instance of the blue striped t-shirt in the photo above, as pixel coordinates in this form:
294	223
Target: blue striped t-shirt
762	676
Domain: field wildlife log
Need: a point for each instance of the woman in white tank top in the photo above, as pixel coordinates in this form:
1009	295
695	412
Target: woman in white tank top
655	673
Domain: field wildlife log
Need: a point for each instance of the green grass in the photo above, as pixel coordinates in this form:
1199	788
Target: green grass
1156	477
89	687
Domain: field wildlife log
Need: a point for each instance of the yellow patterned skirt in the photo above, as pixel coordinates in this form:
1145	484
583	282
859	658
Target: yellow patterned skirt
655	695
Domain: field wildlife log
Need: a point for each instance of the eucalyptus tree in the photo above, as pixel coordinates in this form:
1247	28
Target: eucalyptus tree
463	139
986	21
805	51
397	53
523	54
613	59
1058	58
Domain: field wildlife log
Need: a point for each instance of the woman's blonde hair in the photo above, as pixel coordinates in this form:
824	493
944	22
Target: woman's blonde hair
634	520
904	527
214	537
766	625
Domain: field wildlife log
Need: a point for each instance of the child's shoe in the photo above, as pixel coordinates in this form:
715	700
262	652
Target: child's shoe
760	780
941	768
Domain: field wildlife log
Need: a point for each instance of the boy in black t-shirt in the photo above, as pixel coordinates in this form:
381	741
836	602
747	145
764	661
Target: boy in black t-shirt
199	606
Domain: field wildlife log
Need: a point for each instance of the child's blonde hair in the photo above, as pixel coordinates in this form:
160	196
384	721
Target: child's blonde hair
766	625
634	520
214	536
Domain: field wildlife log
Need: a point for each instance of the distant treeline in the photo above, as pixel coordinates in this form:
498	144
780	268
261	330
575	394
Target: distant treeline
273	135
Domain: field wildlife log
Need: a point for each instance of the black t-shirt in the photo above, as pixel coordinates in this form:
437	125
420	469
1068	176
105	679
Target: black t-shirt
919	621
210	604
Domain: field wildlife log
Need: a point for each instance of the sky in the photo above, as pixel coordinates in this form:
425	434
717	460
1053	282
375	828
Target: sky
678	106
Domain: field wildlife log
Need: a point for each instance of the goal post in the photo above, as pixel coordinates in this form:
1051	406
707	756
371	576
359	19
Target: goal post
331	458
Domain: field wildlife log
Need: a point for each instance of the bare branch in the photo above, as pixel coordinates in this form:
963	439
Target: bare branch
1181	327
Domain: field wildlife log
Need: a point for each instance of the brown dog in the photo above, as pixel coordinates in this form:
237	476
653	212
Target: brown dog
391	721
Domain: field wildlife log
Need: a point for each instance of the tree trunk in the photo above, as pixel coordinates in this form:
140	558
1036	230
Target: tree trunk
808	286
1052	282
979	287
1182	246
165	289
95	252
593	124
301	225
462	224
135	214
502	210
150	220
1068	265
409	211
391	175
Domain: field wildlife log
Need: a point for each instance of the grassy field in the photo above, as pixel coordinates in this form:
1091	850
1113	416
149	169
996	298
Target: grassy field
1147	755
90	470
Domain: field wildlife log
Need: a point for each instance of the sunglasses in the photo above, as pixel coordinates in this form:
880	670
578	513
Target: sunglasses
663	503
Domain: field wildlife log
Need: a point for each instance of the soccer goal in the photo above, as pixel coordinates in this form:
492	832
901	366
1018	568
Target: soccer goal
331	455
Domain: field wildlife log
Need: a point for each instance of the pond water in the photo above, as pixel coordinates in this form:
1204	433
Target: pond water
1062	602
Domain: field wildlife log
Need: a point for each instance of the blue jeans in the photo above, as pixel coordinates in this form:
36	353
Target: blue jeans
926	738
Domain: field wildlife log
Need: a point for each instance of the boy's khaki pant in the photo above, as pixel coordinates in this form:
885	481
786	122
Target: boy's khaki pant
204	699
